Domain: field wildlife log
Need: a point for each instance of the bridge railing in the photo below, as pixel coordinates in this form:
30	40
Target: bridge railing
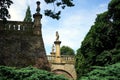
16	25
64	59
67	59
51	59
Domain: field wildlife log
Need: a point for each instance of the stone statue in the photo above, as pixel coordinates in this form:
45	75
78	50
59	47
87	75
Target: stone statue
57	36
38	6
53	48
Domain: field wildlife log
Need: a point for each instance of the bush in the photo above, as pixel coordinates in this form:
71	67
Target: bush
111	72
28	73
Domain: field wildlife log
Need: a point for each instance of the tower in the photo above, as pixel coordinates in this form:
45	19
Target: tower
37	20
41	60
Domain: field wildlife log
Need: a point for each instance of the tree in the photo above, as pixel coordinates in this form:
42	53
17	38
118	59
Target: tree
28	15
57	3
27	73
65	50
4	5
101	46
79	66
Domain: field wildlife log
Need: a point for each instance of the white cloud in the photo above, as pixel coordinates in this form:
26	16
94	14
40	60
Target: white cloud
103	5
17	9
72	27
72	30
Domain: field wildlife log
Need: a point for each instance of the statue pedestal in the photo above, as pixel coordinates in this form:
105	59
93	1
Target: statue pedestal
57	56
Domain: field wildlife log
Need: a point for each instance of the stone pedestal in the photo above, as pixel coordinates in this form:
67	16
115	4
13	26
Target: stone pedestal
37	23
57	56
52	53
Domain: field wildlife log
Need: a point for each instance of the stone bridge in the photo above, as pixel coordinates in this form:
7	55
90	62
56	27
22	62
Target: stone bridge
65	67
62	64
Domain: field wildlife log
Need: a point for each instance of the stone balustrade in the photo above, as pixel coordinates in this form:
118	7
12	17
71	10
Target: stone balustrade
64	59
68	59
51	59
16	25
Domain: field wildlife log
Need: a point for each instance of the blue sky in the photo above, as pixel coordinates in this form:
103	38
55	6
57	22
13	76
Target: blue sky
73	26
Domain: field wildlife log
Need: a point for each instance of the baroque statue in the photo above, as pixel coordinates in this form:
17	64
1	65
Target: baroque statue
53	48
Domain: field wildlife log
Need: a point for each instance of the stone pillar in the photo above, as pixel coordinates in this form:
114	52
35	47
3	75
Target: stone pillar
41	59
57	56
53	48
57	45
37	20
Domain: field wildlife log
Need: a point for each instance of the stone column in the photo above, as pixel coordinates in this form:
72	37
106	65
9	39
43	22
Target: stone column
57	56
57	45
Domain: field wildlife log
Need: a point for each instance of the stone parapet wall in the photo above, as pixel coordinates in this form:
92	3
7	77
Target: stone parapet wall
69	59
65	67
16	26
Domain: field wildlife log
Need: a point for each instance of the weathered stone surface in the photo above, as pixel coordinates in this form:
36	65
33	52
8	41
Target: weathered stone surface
21	49
66	69
21	43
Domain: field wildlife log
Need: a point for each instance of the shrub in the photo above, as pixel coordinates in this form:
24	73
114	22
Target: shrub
28	73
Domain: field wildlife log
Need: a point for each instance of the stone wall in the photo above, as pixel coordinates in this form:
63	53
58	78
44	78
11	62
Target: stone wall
66	69
16	26
20	47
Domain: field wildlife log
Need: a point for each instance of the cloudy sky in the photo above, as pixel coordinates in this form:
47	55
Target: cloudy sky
74	24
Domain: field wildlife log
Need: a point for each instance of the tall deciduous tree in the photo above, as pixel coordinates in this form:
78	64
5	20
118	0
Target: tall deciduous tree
65	50
28	15
4	5
101	45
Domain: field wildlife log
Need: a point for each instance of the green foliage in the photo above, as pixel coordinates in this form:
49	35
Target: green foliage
65	50
28	73
79	66
52	14
61	3
28	15
111	72
4	5
101	45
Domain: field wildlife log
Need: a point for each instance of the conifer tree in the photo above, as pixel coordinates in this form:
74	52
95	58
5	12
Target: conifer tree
28	15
